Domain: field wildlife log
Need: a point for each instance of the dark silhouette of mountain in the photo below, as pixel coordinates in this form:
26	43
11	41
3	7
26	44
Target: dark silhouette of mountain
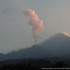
34	52
57	46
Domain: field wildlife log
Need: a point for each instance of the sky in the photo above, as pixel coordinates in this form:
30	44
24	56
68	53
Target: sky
15	32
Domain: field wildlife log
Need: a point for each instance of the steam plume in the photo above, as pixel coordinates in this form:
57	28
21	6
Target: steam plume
35	22
65	33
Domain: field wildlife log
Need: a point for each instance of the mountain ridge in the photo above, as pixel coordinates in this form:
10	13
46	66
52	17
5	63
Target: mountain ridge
56	46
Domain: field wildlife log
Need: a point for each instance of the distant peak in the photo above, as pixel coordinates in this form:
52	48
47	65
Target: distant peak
36	45
66	34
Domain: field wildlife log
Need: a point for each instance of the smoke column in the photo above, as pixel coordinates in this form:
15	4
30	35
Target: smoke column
35	22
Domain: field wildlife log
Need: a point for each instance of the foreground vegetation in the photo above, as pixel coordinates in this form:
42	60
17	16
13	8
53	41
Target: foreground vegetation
33	64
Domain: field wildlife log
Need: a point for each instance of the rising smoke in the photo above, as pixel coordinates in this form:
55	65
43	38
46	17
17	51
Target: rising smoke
35	22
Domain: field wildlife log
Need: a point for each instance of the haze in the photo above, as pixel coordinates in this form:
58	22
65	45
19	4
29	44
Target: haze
15	33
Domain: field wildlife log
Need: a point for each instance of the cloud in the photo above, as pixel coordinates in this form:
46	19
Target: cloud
35	22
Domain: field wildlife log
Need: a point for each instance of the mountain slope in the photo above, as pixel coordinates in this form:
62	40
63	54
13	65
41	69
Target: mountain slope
35	51
57	46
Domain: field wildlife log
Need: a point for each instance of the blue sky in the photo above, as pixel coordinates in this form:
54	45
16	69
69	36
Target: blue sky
15	33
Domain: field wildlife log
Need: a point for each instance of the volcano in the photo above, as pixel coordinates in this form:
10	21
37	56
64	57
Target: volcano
56	46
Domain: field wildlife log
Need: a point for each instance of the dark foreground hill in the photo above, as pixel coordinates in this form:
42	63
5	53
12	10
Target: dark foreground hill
34	64
35	52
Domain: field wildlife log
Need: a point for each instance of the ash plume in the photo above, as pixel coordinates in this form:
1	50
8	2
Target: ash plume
35	22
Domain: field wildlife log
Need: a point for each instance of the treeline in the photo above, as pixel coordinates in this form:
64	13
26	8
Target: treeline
34	65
